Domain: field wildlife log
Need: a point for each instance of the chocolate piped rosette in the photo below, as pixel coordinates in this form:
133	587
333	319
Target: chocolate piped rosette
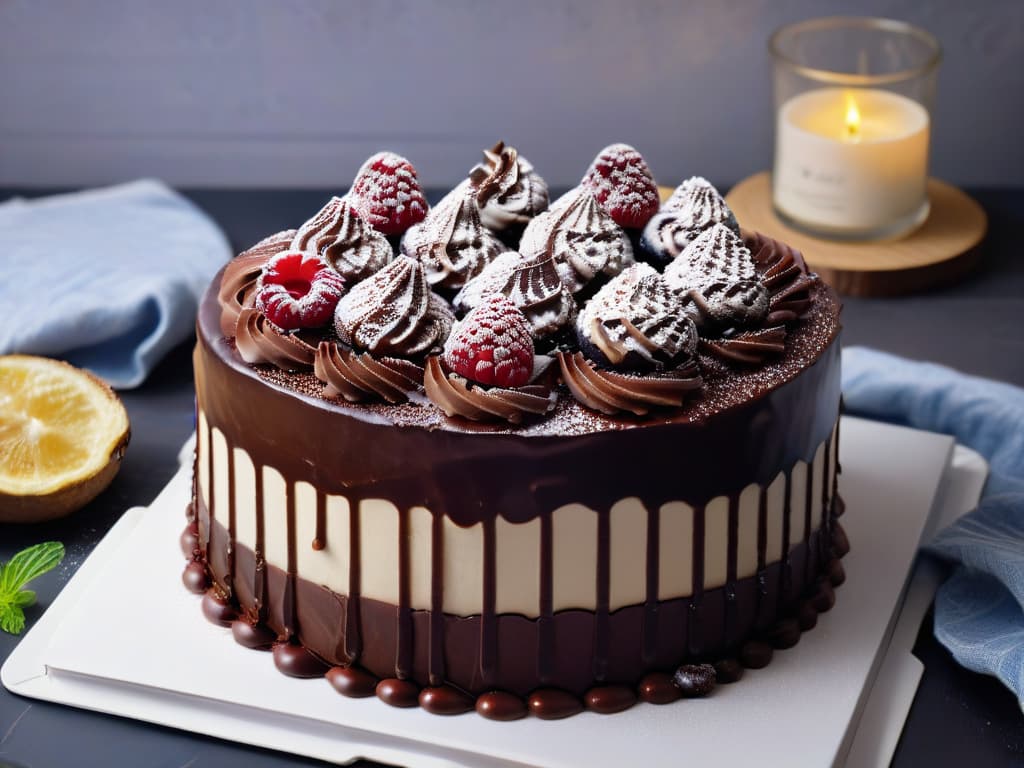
451	242
455	467
509	192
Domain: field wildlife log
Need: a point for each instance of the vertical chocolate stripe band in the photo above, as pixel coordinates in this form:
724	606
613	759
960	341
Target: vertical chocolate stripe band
488	618
545	625
650	628
435	662
403	652
229	577
604	559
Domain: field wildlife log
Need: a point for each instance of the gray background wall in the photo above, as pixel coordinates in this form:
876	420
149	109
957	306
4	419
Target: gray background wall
298	92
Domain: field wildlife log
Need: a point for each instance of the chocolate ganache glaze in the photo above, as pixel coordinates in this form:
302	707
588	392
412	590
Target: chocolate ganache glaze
764	434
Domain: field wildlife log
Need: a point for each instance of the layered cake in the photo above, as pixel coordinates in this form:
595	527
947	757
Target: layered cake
515	454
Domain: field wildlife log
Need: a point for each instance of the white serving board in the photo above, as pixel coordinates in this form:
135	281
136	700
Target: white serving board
170	666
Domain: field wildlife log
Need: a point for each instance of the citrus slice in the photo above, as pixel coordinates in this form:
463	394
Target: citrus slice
63	433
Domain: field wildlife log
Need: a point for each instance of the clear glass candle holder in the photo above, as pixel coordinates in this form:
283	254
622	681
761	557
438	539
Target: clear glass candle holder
853	106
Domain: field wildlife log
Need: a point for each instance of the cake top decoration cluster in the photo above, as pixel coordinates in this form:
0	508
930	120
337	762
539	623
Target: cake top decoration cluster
496	300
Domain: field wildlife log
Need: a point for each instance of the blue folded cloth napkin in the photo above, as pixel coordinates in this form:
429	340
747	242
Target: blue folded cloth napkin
979	611
107	279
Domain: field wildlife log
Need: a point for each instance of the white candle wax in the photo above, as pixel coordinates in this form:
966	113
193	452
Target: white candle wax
851	170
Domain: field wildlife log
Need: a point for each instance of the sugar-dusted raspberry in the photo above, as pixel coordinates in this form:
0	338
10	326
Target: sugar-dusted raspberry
298	290
492	345
623	184
387	194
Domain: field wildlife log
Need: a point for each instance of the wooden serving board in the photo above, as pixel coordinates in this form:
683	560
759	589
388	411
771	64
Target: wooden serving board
939	252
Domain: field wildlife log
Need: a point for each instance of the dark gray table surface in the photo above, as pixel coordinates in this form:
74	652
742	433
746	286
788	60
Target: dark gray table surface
958	717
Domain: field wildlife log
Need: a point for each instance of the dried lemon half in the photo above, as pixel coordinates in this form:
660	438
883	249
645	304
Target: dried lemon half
63	433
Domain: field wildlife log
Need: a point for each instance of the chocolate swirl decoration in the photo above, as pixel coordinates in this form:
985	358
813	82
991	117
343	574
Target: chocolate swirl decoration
784	273
457	397
258	341
584	241
394	312
238	285
695	207
337	234
537	289
611	393
359	377
534	286
636	321
748	348
492	279
451	242
508	190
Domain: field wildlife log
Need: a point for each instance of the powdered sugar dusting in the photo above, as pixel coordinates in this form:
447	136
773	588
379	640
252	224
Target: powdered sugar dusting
492	345
386	193
636	321
717	255
393	312
624	185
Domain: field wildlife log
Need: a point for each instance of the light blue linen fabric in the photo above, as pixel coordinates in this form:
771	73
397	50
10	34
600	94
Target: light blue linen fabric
107	279
979	611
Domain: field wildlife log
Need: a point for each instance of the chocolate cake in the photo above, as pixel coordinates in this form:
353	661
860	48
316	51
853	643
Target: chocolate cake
595	467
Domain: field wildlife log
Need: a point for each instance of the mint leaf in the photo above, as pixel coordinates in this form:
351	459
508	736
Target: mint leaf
29	564
20	570
12	619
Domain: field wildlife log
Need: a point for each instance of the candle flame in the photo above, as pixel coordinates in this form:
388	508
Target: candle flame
852	120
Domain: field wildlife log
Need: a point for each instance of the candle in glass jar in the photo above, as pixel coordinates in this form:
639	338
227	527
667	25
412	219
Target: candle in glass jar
851	160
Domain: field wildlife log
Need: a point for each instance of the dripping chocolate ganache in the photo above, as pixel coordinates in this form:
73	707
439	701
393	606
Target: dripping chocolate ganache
597	468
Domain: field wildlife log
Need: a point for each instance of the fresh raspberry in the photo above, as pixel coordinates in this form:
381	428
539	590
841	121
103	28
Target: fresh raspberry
623	184
387	194
492	345
298	290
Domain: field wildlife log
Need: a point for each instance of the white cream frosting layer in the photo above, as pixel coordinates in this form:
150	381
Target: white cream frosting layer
517	545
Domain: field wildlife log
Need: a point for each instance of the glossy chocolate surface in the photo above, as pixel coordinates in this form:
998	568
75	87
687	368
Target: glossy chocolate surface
745	427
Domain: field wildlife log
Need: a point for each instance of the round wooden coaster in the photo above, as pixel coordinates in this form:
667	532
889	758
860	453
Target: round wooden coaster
939	252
